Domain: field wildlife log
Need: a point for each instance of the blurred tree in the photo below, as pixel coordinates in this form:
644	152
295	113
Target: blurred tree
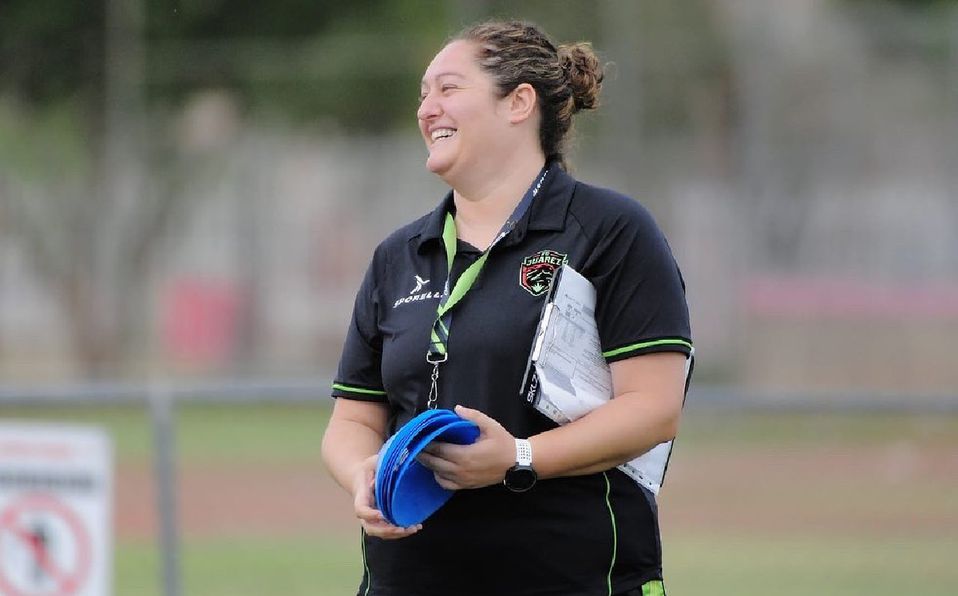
77	81
298	58
325	61
72	166
51	50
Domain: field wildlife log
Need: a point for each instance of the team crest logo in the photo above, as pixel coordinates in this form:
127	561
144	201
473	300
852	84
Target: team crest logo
537	271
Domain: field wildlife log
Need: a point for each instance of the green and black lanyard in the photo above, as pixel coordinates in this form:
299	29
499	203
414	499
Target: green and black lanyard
439	341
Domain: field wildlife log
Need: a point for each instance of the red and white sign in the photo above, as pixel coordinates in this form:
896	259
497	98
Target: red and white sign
55	510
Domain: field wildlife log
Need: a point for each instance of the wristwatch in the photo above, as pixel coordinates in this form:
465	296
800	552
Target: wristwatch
521	477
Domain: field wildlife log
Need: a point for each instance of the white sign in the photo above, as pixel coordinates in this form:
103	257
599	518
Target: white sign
56	503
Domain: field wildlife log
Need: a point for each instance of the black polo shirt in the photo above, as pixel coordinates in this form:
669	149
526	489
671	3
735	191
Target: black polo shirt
576	535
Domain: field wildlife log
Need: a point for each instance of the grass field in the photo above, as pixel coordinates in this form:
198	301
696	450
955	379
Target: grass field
755	503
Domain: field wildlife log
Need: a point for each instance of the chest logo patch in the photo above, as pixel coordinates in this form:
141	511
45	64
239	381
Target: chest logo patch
537	271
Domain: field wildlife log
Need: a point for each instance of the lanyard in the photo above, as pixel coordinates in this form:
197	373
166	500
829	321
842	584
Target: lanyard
439	338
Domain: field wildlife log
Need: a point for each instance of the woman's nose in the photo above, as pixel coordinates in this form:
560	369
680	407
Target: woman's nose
428	108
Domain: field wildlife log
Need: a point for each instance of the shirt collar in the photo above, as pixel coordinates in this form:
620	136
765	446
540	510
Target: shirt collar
547	213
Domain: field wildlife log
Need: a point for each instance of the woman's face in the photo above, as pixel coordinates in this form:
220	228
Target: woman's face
461	117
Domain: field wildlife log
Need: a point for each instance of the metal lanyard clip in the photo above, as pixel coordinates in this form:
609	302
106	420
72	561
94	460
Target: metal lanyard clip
434	384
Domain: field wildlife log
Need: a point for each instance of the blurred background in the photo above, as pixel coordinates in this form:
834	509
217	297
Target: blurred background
190	192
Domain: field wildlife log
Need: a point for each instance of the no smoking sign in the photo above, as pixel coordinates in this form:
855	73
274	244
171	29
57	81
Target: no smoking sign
55	504
44	548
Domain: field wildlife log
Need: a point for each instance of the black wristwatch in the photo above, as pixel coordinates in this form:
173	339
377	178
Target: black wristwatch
521	477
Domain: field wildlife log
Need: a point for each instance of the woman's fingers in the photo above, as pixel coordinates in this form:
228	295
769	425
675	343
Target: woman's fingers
387	531
376	525
367	513
373	521
436	463
447	483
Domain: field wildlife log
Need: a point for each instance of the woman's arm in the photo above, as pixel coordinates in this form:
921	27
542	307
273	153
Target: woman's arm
648	391
351	444
356	430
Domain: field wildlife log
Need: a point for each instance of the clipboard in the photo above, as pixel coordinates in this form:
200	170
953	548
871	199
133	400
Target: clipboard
566	375
529	388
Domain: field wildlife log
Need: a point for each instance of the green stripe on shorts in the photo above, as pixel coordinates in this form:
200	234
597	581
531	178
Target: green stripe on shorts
653	588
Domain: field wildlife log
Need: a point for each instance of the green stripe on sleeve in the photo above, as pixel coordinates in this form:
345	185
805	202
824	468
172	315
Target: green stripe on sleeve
647	344
357	389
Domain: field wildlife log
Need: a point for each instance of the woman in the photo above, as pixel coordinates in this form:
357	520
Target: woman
496	105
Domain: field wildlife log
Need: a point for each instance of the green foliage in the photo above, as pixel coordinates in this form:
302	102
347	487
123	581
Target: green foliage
30	142
354	64
227	19
342	61
50	50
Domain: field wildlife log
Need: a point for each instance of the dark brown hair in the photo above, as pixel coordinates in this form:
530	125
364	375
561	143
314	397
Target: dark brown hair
566	78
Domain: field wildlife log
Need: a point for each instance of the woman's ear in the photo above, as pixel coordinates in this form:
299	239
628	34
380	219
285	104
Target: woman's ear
522	103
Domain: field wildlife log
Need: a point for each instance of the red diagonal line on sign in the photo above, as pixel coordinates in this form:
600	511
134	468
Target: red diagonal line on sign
42	556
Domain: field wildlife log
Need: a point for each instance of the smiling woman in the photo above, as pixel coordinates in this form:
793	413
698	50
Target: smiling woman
497	100
538	508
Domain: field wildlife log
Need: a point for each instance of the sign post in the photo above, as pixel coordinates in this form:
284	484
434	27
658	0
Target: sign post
56	493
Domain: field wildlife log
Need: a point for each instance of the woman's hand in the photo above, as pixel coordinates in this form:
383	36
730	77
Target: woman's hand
364	504
472	466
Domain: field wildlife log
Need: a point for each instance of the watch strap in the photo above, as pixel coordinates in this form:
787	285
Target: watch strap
523	452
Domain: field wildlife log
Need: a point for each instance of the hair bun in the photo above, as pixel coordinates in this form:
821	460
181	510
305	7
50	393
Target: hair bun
584	73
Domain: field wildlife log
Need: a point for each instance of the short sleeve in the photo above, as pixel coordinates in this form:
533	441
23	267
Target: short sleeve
640	294
359	375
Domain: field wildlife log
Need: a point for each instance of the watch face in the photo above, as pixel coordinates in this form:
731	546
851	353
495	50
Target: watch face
520	478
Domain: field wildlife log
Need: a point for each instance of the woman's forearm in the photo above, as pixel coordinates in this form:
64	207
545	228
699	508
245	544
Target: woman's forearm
355	432
608	436
644	414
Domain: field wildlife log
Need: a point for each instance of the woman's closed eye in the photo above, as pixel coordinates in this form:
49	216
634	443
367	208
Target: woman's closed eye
444	89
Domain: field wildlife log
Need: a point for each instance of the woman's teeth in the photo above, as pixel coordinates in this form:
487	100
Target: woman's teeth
442	133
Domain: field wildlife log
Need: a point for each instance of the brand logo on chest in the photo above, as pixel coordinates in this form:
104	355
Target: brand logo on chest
420	282
536	271
416	294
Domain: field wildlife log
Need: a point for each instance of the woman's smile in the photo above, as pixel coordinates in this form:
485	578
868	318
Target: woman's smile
442	133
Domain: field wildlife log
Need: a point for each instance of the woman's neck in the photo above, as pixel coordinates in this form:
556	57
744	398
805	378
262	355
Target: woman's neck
481	213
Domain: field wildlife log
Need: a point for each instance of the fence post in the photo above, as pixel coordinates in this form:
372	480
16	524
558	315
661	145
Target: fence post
164	458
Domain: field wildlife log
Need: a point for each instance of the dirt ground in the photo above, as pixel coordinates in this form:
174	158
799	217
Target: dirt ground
898	490
893	491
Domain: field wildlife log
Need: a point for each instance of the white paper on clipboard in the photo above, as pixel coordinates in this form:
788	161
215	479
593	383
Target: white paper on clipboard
567	376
